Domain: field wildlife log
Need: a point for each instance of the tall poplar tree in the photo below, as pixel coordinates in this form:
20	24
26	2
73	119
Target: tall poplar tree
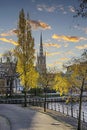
25	54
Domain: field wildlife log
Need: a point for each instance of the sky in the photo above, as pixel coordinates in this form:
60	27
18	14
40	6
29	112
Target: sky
64	36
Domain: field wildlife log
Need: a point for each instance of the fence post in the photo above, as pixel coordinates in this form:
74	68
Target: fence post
77	114
83	117
47	105
71	111
67	111
58	107
63	108
55	106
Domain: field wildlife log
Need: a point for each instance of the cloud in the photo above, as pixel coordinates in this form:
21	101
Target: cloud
64	58
71	9
52	8
61	8
81	28
69	53
55	64
15	31
1	55
39	24
9	41
52	45
46	8
9	33
66	44
50	65
52	53
81	47
68	38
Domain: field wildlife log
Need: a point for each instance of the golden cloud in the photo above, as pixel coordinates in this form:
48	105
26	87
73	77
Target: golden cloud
9	41
39	24
66	45
15	31
52	54
55	64
68	38
9	33
52	45
69	53
1	55
64	58
81	47
50	65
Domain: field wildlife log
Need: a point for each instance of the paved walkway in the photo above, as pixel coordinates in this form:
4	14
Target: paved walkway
29	119
61	117
4	123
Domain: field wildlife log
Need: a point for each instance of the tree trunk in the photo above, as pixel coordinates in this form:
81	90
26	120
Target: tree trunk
25	98
45	99
80	105
11	89
71	104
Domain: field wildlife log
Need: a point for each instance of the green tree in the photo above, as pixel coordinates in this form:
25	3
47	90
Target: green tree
25	54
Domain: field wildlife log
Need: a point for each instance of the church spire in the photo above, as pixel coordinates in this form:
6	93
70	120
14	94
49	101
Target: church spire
41	59
41	46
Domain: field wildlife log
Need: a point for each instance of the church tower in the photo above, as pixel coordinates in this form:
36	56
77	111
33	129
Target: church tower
41	59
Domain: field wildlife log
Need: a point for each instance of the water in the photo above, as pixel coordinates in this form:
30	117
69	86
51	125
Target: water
66	109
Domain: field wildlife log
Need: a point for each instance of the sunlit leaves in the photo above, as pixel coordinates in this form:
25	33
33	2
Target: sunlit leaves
61	83
25	53
73	78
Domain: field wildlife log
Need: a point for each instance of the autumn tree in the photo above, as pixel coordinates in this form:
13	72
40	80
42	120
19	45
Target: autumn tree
61	83
79	78
75	78
25	54
45	82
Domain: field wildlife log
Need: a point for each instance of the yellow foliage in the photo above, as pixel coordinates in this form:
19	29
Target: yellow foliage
28	75
25	68
61	84
78	73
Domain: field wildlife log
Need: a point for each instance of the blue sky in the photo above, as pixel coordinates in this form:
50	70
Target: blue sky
64	37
